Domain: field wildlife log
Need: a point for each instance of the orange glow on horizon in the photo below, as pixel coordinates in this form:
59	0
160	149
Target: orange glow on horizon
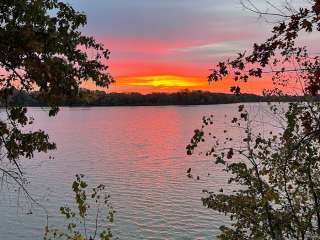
162	81
172	83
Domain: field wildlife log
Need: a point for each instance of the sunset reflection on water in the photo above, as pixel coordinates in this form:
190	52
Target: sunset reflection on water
139	153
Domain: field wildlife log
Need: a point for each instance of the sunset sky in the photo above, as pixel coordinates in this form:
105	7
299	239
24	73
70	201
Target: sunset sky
167	45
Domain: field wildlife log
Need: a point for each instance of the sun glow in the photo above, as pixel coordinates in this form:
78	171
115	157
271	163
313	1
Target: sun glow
161	81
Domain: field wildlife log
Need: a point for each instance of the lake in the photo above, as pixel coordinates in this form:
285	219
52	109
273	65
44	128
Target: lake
139	154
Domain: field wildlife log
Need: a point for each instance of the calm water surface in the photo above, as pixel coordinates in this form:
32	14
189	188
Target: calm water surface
139	153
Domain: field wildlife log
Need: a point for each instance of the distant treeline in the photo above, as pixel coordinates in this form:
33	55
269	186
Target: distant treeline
101	98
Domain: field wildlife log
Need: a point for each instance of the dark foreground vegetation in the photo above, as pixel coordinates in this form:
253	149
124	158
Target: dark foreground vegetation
101	98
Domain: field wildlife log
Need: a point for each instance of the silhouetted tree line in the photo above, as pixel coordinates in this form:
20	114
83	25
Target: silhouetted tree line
100	98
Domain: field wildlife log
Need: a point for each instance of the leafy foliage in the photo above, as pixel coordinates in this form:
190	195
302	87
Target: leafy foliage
276	177
279	55
43	49
77	219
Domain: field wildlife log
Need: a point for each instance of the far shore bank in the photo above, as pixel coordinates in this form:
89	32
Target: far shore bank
89	98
